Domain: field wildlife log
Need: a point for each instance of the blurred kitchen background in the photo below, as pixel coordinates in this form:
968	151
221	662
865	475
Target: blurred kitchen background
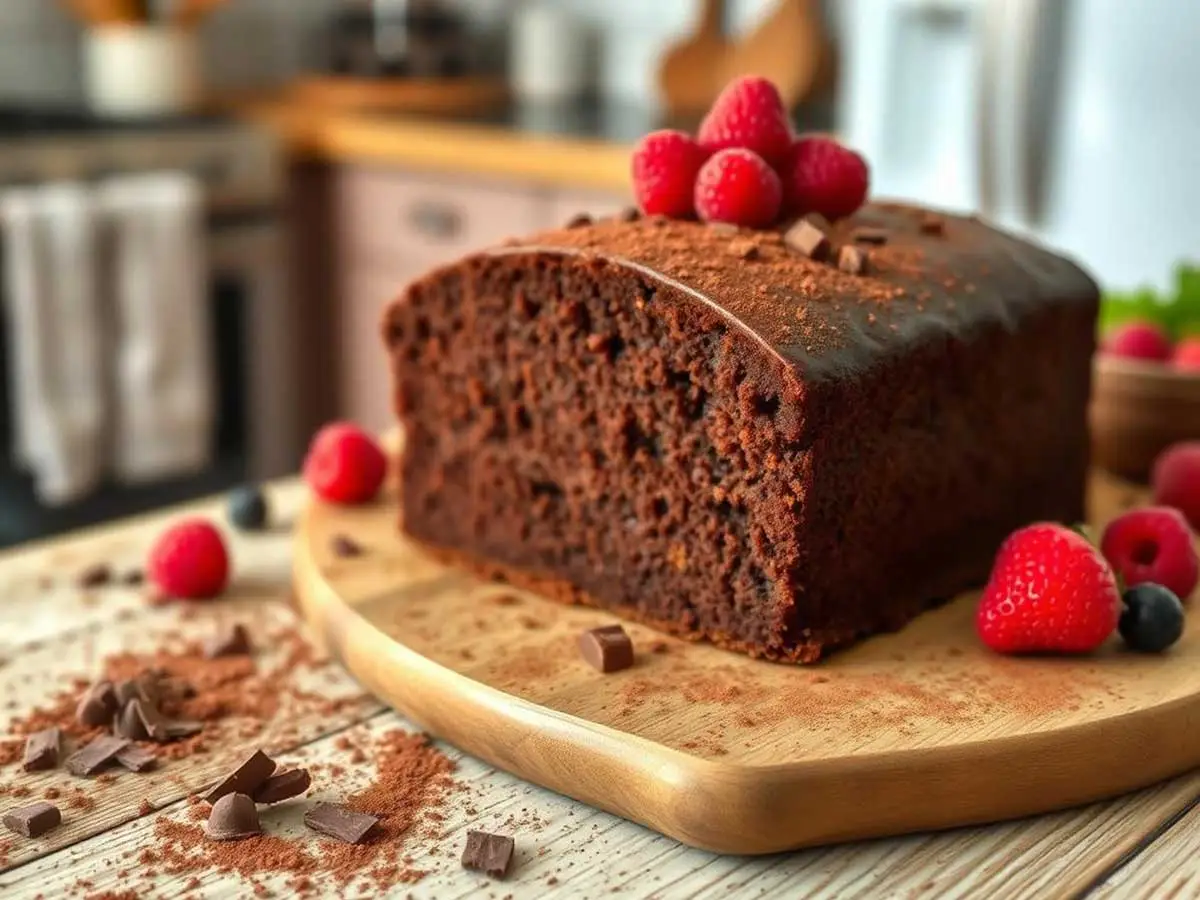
204	204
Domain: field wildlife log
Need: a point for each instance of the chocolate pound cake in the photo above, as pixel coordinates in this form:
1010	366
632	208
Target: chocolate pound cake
779	441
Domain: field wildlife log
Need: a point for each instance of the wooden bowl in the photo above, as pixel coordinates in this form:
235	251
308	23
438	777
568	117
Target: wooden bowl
1139	409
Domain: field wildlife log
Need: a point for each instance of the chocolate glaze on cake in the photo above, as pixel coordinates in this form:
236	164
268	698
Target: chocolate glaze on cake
703	429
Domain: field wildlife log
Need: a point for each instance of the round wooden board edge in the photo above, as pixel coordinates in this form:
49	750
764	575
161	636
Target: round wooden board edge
728	808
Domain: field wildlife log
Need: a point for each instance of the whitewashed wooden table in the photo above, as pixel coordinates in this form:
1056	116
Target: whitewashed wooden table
1144	845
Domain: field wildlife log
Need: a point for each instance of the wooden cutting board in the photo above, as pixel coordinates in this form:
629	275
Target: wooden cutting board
918	730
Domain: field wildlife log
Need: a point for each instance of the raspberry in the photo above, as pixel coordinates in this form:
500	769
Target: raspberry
1186	357
1050	591
665	164
1176	480
344	464
1152	545
737	186
822	176
189	561
748	114
1138	340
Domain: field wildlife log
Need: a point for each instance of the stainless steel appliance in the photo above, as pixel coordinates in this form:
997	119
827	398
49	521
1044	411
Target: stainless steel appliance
256	358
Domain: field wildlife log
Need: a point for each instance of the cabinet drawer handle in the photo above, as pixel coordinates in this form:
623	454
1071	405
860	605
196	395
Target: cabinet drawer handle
435	220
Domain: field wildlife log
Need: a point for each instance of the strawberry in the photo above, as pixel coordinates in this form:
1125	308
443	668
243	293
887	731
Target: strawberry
1138	340
189	561
344	464
1050	591
1153	544
822	176
665	164
738	187
1176	480
748	114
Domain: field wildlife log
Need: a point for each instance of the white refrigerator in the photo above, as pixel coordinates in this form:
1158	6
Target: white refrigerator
1074	121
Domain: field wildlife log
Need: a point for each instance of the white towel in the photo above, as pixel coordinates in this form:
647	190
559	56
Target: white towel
164	394
56	338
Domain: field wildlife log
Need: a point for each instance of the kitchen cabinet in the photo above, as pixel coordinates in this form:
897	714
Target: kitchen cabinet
389	226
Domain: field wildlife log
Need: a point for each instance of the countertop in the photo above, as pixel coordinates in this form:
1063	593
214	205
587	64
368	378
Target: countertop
584	145
53	631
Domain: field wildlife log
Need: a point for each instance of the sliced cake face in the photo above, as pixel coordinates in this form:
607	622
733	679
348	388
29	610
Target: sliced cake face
711	431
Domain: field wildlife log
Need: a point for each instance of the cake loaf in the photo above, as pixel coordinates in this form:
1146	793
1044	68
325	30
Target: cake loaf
728	435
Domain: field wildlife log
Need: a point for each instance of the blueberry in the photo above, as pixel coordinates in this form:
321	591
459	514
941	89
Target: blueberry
1152	619
248	508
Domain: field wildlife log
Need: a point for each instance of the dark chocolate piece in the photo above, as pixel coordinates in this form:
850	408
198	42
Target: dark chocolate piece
808	239
135	759
488	853
41	750
744	248
233	818
245	779
95	756
340	822
143	687
33	820
95	575
152	720
932	224
98	704
579	220
283	786
628	214
852	260
345	547
608	648
133	578
178	729
128	723
865	234
234	641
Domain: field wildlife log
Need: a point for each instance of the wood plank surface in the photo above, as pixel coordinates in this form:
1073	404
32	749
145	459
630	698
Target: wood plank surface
916	730
1168	869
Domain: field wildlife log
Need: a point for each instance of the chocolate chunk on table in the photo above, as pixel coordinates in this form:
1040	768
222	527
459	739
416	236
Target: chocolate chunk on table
41	750
33	820
245	779
178	729
608	649
340	822
152	720
283	786
135	759
233	641
488	853
98	704
95	575
808	238
233	817
852	260
144	687
128	722
345	547
90	759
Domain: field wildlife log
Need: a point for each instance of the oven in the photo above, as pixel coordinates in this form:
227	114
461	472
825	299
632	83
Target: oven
257	432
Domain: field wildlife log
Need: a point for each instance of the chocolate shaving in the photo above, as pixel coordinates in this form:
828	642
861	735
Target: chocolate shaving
744	248
245	779
932	224
95	575
98	705
579	220
133	578
340	822
128	723
144	687
90	759
178	729
233	818
235	641
345	547
34	820
135	759
868	235
283	786
41	750
808	239
152	720
628	214
488	853
607	649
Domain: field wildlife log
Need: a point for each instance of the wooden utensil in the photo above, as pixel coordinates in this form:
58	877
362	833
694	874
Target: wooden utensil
789	47
691	72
